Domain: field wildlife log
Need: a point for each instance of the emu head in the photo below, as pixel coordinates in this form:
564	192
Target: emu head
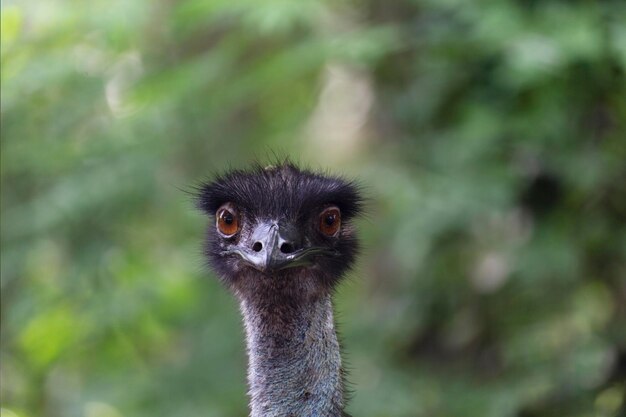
280	227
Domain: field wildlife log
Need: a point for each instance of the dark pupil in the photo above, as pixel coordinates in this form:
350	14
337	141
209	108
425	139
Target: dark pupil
330	219
227	217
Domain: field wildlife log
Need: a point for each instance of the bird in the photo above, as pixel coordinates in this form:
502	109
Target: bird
281	238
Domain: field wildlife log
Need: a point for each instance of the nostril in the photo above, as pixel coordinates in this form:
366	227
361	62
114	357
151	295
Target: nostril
286	248
257	247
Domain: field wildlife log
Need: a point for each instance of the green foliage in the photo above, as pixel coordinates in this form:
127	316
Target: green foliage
489	136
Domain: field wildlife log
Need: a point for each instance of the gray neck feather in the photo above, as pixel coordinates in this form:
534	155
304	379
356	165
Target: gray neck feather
294	358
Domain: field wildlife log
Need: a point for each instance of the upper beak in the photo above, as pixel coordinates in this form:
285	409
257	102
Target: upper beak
274	247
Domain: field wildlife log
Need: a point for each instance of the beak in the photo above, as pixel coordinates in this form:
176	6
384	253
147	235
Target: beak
274	247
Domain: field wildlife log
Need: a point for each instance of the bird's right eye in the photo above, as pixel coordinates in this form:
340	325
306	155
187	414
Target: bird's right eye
227	220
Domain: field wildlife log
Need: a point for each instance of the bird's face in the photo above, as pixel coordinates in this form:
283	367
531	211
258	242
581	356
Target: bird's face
275	241
276	223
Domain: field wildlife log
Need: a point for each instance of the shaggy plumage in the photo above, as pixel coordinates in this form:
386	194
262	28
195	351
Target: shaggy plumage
294	358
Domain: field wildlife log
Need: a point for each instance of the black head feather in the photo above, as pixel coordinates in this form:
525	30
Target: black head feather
288	197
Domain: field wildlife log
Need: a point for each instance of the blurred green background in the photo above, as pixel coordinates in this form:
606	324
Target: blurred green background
489	135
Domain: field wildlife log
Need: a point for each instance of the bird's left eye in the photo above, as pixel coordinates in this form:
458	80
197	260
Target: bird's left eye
227	219
330	221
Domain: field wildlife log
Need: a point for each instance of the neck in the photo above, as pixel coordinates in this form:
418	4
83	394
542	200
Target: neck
294	359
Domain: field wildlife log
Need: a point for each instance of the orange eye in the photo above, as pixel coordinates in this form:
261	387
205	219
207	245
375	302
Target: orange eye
330	221
227	220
